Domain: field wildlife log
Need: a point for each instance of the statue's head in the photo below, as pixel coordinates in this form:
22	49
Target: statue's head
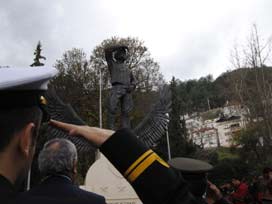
121	54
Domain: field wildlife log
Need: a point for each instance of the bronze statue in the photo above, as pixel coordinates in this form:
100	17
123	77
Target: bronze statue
123	84
151	128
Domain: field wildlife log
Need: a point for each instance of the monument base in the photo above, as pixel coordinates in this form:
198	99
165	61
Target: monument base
104	179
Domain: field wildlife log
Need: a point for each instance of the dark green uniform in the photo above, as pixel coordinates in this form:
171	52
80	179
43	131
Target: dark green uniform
195	173
151	177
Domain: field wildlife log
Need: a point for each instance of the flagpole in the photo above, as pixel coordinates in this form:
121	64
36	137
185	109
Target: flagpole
168	141
168	144
100	108
100	99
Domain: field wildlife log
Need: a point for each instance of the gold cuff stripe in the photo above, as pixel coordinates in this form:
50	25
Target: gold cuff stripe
162	162
142	157
141	168
144	165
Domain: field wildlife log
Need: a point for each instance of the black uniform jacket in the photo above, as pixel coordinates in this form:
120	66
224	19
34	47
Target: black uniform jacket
8	195
61	189
151	177
6	190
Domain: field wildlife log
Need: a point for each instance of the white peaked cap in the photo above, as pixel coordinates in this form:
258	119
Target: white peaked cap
27	78
24	87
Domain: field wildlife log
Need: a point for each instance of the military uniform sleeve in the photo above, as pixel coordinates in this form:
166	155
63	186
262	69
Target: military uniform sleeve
151	177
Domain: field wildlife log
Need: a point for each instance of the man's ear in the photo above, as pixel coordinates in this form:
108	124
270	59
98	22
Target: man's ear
75	168
25	140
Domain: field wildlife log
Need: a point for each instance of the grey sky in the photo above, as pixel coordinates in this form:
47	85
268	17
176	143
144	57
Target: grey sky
189	38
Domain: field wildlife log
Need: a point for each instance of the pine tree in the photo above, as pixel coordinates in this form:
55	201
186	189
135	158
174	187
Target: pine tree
176	132
179	145
38	56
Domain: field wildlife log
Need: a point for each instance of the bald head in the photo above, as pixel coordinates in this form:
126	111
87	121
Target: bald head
58	156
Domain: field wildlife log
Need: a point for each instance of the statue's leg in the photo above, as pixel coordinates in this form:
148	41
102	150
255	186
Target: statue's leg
126	107
112	107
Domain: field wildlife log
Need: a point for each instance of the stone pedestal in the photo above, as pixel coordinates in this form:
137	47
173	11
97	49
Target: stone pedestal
103	178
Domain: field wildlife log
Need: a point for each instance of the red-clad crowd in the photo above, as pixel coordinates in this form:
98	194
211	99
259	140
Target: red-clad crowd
257	191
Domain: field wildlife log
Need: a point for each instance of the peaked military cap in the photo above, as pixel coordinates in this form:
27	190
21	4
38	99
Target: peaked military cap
188	165
24	87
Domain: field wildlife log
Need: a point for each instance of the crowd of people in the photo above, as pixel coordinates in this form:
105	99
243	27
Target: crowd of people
257	190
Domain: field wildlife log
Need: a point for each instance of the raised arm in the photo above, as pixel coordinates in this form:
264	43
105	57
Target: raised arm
151	177
96	136
109	50
108	54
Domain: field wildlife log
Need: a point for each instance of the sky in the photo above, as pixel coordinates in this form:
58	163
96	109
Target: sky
188	38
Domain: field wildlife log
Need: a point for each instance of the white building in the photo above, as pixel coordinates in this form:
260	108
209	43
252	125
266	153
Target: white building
215	127
206	137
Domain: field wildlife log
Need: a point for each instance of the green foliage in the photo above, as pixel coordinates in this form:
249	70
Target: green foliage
208	155
188	97
247	158
179	145
143	102
199	95
228	168
226	153
78	85
38	56
177	133
252	148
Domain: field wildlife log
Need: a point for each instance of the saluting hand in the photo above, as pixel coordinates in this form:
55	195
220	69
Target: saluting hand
95	135
215	191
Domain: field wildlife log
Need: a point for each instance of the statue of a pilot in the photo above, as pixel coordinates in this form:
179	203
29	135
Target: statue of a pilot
123	83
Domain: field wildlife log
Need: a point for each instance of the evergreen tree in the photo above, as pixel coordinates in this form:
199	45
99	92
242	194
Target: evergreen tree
38	56
177	135
179	145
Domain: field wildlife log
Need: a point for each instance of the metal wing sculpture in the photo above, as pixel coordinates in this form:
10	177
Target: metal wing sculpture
58	110
149	131
155	123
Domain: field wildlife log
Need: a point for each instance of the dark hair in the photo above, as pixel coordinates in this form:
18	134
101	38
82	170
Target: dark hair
14	120
236	177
